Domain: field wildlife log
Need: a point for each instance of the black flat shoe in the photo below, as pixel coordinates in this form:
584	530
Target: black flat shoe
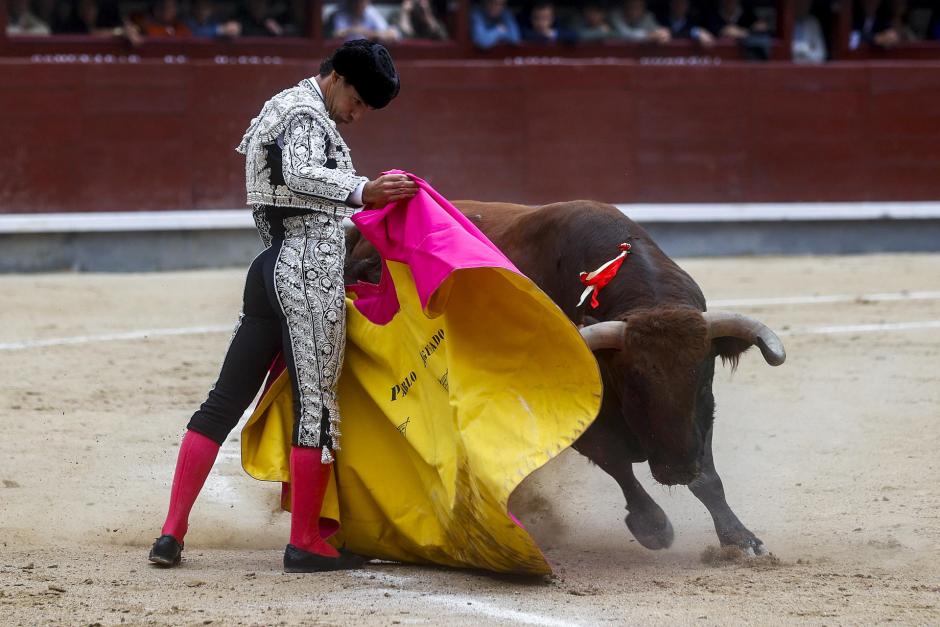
166	552
300	561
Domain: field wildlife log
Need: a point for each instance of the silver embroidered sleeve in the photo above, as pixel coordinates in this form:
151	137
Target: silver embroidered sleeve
263	226
304	159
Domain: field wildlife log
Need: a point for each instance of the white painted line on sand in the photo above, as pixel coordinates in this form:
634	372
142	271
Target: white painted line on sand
472	605
396	580
864	328
825	298
723	303
113	337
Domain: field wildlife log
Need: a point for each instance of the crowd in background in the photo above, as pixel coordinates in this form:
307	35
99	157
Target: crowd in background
887	23
154	19
137	20
494	22
883	23
410	19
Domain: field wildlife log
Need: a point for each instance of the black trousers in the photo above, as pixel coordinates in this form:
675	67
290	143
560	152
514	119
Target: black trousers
261	333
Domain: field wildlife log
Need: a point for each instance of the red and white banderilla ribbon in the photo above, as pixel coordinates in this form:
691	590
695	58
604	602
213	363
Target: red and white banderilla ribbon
597	280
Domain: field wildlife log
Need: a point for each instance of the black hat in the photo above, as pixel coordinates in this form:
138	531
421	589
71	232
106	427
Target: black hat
367	66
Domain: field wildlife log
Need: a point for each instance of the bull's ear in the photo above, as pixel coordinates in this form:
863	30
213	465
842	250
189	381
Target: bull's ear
730	350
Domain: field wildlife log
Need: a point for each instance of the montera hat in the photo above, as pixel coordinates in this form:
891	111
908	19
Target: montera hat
367	66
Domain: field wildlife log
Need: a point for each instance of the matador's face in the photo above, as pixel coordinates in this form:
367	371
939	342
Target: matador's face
343	102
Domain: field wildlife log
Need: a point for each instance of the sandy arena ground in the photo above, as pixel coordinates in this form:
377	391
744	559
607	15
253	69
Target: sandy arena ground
831	459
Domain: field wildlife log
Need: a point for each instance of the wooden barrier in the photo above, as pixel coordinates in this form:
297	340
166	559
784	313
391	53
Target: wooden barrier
125	133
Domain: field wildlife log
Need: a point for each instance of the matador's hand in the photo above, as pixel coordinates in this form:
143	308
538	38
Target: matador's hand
388	188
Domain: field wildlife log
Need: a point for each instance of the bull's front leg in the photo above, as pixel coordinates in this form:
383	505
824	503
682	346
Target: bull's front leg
645	519
709	490
606	443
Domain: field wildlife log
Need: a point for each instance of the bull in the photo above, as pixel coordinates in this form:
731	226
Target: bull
653	338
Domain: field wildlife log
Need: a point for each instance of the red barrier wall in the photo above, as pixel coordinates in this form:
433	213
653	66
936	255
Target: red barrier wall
153	135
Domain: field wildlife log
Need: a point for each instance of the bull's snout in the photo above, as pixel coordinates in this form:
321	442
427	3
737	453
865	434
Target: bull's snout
672	474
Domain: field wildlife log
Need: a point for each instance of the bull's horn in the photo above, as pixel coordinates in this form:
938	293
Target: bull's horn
726	324
604	335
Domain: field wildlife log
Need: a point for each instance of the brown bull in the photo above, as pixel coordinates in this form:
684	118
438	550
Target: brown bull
655	346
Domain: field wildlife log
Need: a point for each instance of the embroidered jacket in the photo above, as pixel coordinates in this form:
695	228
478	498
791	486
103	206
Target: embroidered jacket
298	120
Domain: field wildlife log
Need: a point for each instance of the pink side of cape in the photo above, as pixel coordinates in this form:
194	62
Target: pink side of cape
429	235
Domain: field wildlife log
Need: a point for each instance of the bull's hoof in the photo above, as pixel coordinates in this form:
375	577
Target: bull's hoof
652	530
746	541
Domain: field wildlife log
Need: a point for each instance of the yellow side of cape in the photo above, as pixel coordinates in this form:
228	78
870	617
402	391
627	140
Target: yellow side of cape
444	413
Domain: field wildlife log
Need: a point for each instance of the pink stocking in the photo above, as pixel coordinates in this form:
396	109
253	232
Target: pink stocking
309	478
196	456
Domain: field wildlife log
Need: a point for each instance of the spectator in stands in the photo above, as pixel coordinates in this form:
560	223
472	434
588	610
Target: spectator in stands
684	24
295	17
899	21
416	20
592	24
635	23
358	19
22	21
45	10
88	17
204	23
74	17
161	21
256	20
542	28
734	20
61	16
868	21
492	24
809	45
933	27
880	23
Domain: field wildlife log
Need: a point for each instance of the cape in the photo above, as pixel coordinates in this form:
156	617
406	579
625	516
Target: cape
461	377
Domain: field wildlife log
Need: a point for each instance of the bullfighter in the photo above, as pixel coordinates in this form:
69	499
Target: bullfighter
301	184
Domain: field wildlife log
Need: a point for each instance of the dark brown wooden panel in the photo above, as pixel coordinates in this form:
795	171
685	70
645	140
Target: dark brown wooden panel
151	135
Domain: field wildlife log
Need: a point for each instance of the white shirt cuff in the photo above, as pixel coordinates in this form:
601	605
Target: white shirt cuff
355	197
